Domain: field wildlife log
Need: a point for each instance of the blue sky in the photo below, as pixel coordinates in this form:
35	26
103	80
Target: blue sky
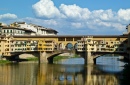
70	17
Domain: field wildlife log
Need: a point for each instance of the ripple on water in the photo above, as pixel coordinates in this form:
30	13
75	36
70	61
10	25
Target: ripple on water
71	61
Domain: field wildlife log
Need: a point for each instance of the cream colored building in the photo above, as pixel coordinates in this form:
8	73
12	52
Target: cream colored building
39	30
86	44
24	45
16	31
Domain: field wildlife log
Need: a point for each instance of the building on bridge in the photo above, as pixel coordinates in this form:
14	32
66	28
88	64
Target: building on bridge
46	45
105	45
24	45
9	45
86	44
5	45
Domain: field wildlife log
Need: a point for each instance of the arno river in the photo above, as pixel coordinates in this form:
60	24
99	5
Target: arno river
72	71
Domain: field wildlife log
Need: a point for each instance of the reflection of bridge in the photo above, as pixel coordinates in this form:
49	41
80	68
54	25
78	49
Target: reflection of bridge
78	75
45	47
48	74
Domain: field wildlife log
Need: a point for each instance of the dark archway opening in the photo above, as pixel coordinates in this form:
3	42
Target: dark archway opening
69	46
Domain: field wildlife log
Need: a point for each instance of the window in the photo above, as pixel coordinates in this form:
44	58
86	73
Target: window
89	40
10	31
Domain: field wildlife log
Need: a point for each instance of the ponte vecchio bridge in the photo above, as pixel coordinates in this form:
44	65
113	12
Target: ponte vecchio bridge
46	47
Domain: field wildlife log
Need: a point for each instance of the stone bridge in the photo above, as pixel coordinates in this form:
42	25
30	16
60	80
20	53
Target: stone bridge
46	47
44	57
90	57
47	57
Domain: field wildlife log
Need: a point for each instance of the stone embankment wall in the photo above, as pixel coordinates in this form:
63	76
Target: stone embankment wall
26	56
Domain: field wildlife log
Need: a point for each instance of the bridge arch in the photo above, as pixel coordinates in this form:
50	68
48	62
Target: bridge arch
69	46
51	56
75	46
96	55
23	56
61	46
99	55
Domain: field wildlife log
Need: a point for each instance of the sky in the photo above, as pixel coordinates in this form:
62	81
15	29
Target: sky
70	17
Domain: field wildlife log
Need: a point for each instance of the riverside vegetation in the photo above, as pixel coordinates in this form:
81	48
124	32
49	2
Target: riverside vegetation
36	59
4	61
64	57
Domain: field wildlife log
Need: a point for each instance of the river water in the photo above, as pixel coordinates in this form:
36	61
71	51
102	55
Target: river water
72	71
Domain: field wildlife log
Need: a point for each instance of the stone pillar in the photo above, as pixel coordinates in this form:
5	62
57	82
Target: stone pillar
1	56
43	57
89	58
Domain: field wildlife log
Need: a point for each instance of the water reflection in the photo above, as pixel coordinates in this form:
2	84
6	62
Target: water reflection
108	71
18	74
71	61
53	74
110	64
87	75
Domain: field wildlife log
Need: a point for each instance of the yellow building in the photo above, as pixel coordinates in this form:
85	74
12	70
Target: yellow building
105	44
46	45
5	45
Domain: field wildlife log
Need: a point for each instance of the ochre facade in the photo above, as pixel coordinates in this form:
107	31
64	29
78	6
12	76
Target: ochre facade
11	44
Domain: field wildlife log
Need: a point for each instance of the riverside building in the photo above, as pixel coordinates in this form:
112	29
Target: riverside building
39	30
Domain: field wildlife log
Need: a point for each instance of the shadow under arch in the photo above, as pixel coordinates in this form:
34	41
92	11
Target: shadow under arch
16	56
51	57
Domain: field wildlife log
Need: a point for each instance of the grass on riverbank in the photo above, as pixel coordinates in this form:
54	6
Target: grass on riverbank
76	56
32	59
60	57
4	61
